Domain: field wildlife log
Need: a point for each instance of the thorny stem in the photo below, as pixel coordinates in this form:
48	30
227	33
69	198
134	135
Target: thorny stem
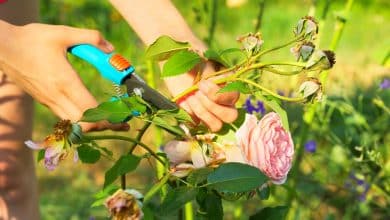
128	139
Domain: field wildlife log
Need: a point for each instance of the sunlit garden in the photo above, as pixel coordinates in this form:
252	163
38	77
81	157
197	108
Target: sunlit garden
311	140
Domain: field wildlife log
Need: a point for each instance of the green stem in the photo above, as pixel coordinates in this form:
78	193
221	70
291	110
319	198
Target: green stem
149	195
260	15
298	38
160	168
283	73
188	211
298	99
213	21
141	133
123	138
236	75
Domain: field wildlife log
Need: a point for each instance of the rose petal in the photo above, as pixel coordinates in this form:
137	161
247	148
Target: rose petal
33	145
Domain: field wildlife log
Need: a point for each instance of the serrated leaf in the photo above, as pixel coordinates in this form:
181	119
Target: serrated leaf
174	129
113	111
164	47
88	154
176	198
125	164
236	86
180	63
235	177
271	213
211	54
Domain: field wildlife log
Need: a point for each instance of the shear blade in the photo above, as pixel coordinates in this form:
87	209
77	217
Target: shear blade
148	94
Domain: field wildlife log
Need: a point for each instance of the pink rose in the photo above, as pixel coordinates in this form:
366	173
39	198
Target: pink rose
267	145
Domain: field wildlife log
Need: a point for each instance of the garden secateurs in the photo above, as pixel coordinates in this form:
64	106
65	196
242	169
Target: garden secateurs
117	69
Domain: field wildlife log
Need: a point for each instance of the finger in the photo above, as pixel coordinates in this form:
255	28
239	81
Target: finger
94	37
204	115
224	113
185	105
210	89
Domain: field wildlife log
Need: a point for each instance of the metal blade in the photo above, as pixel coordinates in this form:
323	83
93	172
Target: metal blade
150	95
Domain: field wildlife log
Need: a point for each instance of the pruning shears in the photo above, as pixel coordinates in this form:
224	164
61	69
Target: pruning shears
117	69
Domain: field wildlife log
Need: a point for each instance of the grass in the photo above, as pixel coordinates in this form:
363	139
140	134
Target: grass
66	194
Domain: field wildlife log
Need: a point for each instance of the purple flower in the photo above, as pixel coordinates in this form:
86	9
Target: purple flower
250	108
357	186
385	84
311	146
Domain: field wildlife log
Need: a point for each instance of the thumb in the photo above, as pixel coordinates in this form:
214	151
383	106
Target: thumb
87	36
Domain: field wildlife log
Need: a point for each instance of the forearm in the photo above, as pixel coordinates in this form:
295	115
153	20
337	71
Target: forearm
6	35
153	18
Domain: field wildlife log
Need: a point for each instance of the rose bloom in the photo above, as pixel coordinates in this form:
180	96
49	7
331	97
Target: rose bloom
267	146
125	205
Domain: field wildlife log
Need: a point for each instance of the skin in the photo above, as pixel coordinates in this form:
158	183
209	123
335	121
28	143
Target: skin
31	56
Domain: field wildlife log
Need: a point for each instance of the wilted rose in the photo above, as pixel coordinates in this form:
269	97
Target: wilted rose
125	205
267	146
58	145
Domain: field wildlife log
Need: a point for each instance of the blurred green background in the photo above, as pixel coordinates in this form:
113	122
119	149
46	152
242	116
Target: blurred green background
347	177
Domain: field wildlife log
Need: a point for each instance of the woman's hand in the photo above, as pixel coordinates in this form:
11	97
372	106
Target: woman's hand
34	57
206	104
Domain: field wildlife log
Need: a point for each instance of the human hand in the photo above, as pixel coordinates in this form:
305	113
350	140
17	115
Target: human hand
206	104
34	57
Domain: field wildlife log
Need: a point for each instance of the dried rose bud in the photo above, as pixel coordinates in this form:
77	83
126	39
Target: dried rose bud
307	26
125	205
251	42
311	90
321	60
303	50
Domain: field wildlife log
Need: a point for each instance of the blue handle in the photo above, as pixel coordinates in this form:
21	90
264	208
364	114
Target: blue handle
101	61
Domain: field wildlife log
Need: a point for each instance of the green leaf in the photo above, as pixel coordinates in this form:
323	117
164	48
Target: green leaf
277	108
271	213
174	129
210	206
164	47
236	177
135	104
211	54
236	86
179	114
41	155
263	193
199	175
176	198
180	63
125	164
88	154
113	111
103	194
